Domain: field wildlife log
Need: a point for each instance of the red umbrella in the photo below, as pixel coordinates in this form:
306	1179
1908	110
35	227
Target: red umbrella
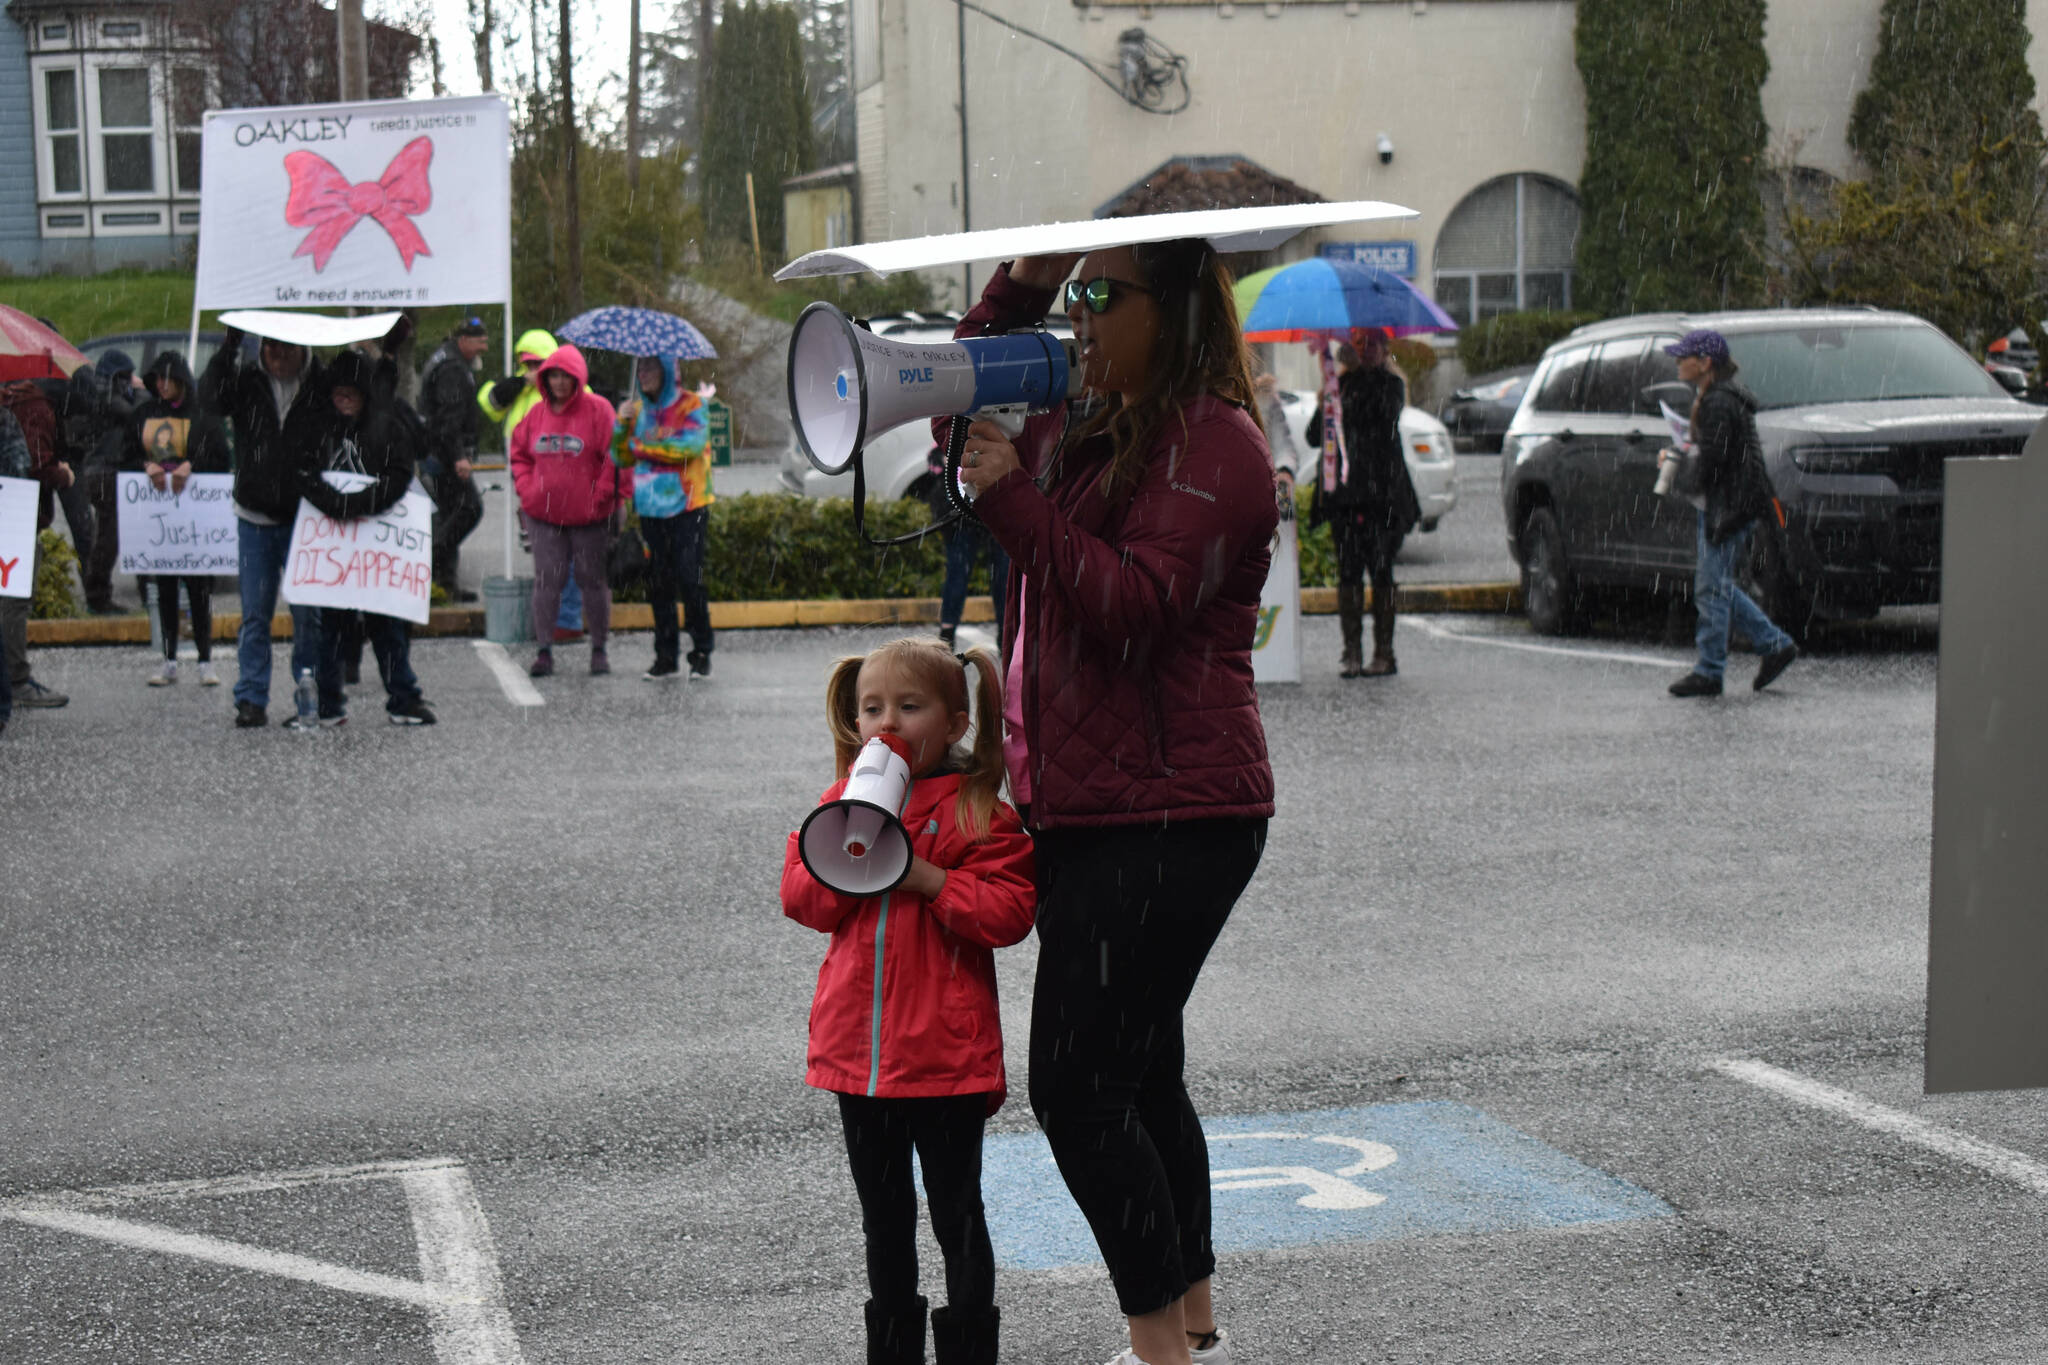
29	350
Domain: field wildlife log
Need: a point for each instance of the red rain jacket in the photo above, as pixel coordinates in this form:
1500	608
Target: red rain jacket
1138	700
932	1026
561	461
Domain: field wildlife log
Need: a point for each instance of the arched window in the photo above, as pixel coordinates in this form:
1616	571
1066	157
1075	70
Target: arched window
1508	246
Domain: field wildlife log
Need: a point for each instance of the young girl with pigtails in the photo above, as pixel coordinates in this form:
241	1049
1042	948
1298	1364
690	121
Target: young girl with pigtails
916	1057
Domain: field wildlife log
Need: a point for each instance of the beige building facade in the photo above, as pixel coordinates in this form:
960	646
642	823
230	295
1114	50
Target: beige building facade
1479	101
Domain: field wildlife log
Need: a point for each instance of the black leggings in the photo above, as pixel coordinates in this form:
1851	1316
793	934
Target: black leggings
1126	916
946	1130
199	592
1365	550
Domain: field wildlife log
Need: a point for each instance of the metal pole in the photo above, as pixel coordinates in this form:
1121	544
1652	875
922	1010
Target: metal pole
511	498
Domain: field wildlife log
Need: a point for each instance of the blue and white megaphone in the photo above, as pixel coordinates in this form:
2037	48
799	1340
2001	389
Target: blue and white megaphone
847	385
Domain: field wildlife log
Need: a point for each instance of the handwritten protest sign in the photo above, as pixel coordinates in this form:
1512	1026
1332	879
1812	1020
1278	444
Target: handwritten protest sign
192	532
386	204
18	537
383	564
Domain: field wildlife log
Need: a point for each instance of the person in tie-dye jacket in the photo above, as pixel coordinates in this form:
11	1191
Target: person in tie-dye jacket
661	437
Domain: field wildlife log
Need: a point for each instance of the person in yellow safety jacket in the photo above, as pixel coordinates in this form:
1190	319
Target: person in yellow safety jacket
506	403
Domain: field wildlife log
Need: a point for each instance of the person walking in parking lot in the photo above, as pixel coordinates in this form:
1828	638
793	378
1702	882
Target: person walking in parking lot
1725	479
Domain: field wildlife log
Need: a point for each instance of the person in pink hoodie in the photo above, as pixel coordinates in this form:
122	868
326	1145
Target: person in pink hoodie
569	490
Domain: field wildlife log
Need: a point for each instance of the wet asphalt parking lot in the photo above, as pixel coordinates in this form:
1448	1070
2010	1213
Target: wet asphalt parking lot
484	1043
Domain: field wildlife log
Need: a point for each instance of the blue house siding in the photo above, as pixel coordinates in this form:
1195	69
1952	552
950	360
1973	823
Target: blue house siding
21	237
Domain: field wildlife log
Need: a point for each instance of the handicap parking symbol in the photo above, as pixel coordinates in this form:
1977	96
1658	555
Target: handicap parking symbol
1374	1173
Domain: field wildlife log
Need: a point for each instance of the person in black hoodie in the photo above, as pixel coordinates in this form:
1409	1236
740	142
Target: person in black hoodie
273	407
1726	480
96	415
360	433
1373	507
170	437
448	405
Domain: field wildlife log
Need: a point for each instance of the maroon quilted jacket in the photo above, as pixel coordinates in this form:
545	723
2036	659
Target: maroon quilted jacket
1138	702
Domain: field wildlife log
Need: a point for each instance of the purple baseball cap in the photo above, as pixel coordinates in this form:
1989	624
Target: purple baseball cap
1705	342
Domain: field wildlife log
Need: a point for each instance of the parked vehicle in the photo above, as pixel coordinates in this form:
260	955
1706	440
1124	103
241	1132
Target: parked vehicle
896	467
1425	443
1478	414
1858	410
144	347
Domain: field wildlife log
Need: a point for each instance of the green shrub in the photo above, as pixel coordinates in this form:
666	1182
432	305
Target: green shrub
775	546
1510	339
1675	145
54	562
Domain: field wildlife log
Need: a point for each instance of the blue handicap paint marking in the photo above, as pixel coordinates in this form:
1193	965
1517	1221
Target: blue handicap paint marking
1377	1173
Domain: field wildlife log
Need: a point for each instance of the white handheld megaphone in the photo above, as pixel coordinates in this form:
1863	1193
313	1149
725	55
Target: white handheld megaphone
856	845
847	385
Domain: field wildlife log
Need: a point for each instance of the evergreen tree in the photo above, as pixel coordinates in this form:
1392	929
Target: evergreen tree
1675	140
1950	76
1950	223
758	120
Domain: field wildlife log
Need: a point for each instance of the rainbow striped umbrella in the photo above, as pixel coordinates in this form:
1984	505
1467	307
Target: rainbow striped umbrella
1323	299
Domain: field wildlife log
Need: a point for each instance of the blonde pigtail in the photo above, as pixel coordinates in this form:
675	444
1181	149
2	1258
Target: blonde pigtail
982	782
842	712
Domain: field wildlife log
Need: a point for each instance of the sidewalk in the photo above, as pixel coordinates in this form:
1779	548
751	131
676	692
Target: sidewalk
867	611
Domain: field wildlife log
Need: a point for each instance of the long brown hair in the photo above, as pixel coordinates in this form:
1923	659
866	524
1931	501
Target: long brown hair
945	674
1199	349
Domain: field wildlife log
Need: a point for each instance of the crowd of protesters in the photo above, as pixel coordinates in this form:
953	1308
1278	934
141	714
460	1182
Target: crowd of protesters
279	419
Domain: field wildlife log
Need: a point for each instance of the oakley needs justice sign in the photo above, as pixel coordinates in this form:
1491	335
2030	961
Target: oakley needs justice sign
386	204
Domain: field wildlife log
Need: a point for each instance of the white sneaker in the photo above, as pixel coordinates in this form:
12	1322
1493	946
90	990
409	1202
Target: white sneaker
207	676
1219	1354
165	675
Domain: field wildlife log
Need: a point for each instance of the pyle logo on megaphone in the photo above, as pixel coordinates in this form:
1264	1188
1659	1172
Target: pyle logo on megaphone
857	845
847	385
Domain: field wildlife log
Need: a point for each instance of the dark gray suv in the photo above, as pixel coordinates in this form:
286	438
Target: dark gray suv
1857	410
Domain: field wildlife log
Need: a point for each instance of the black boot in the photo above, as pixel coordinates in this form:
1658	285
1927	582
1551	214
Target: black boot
896	1333
1351	621
1382	638
962	1337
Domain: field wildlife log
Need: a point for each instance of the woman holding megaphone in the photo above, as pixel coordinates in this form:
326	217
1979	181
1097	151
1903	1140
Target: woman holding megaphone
1138	524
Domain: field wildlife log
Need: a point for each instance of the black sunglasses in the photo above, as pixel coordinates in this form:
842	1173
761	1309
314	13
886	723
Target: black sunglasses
1100	294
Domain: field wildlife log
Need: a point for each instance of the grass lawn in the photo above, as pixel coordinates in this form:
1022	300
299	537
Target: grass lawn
87	306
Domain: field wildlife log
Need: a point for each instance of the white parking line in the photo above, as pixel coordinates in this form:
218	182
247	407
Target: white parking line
171	1242
511	680
459	1286
2020	1169
1595	655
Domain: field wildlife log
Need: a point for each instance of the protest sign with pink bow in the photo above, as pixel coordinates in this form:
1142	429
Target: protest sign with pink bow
384	204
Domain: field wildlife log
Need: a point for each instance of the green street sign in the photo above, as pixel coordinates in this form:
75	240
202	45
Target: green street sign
718	427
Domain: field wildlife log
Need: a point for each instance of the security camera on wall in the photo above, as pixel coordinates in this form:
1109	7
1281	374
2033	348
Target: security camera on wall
1386	149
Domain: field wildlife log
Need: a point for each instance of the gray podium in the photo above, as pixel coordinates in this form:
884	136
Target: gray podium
1987	942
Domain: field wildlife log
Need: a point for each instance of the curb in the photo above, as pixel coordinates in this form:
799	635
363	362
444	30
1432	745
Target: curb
873	611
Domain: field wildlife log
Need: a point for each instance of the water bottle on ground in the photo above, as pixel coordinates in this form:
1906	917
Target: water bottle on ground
308	696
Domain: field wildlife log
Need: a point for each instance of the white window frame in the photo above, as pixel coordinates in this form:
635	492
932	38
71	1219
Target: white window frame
1520	269
46	166
160	181
176	62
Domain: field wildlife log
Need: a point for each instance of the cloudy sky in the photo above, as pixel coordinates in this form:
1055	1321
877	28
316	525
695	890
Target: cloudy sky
601	27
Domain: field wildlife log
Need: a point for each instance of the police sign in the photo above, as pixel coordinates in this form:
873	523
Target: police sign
1396	258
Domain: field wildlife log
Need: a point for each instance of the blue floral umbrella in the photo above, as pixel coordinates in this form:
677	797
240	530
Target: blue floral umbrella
1325	299
637	331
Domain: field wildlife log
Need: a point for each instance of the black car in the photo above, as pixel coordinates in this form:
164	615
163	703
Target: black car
1858	409
1478	414
144	347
